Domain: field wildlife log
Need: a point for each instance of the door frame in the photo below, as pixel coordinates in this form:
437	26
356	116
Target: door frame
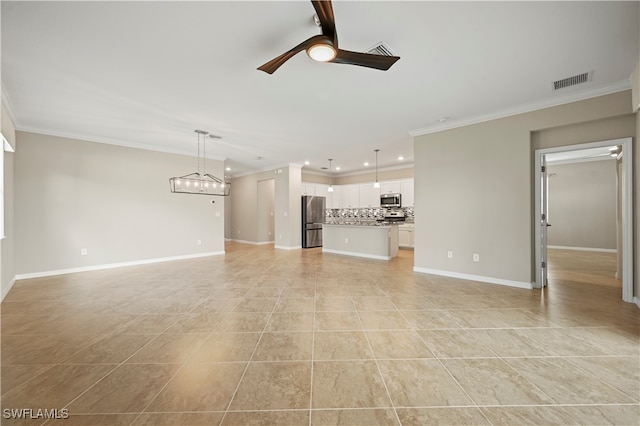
627	209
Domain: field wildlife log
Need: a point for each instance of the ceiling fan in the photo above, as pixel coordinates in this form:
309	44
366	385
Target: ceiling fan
324	47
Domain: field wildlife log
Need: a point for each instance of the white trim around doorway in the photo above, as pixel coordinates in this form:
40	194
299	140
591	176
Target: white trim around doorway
627	208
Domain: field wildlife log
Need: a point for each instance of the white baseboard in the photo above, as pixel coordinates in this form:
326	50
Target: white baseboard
490	280
636	301
254	243
349	253
603	250
5	291
114	265
288	247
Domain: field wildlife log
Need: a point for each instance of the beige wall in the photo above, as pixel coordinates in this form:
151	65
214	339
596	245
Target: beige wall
582	205
314	178
243	221
288	208
394	174
113	201
243	224
474	187
265	211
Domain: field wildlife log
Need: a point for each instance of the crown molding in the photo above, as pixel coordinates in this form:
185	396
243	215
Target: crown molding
8	105
361	171
107	141
535	106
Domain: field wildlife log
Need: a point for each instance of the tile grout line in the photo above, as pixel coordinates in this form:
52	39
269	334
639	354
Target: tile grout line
119	365
173	375
255	349
107	373
313	339
456	380
375	360
598	378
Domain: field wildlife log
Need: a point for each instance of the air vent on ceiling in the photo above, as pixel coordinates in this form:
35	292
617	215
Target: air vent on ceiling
572	81
381	49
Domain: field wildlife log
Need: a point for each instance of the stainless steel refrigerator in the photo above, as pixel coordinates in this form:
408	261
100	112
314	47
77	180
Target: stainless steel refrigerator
313	216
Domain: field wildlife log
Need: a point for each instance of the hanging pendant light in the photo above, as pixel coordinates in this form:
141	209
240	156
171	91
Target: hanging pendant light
200	182
330	176
376	184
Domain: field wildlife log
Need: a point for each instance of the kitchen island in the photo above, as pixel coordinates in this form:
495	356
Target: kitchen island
368	239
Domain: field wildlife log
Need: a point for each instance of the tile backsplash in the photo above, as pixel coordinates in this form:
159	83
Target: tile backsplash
365	213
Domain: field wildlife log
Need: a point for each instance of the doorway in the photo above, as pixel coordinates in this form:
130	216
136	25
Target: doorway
622	148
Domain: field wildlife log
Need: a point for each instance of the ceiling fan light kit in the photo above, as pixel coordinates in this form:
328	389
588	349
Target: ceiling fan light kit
324	47
322	52
200	182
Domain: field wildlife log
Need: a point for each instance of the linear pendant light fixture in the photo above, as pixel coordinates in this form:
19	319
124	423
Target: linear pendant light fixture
200	182
330	176
376	184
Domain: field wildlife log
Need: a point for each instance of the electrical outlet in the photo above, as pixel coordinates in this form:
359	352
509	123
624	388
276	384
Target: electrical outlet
217	214
199	242
346	240
83	252
450	254
476	257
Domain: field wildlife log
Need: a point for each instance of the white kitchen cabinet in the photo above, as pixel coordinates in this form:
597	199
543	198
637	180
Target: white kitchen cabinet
407	193
308	188
322	190
390	187
334	200
350	197
406	235
369	196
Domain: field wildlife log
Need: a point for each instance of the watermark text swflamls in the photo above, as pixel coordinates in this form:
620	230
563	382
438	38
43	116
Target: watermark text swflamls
35	413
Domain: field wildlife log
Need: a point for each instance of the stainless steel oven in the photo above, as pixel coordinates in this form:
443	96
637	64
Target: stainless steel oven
390	200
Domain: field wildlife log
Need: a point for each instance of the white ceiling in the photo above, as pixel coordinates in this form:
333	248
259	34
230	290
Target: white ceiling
146	74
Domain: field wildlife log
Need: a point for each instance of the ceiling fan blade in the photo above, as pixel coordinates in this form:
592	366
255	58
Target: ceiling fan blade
271	66
368	60
324	10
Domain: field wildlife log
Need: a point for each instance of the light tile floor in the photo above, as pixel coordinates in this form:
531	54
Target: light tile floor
262	336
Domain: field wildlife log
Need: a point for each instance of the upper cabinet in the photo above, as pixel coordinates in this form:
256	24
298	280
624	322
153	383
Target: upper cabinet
390	187
308	188
334	200
407	192
350	197
322	190
360	195
369	196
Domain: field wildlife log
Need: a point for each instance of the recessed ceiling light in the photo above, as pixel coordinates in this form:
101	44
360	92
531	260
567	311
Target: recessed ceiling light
338	168
366	164
306	163
400	158
228	169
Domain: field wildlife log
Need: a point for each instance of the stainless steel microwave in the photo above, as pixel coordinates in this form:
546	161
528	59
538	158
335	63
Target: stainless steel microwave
391	200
